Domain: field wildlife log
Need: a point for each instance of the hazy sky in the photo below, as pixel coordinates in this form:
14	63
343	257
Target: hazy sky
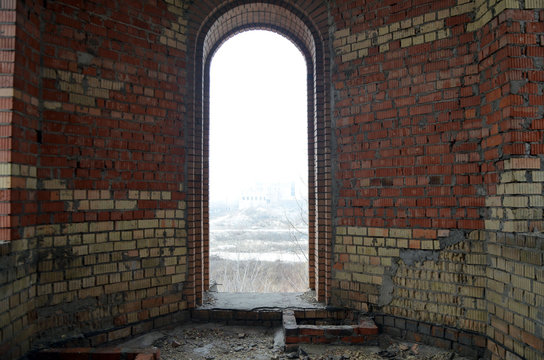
258	121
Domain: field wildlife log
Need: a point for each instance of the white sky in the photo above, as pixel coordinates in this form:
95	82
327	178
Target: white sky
258	121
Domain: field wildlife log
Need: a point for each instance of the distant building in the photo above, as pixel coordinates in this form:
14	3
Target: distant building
263	195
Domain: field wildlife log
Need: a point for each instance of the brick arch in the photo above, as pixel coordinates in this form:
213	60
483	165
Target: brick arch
210	24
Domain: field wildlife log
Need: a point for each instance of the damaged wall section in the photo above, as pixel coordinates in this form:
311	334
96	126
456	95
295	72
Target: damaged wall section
438	110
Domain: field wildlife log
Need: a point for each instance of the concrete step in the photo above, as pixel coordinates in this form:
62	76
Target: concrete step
327	327
252	308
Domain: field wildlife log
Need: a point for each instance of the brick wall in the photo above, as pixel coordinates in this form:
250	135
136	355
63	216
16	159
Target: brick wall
111	210
18	148
425	142
98	247
437	108
513	78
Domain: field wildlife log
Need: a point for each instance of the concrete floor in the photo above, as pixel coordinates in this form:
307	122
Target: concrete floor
259	301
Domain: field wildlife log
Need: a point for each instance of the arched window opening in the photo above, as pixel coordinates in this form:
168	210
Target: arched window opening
258	192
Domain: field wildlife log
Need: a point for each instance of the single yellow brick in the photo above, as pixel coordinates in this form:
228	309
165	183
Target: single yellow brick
442	14
401	233
536	200
342	33
538	176
429	17
49	73
100	248
417	40
444	33
430	37
126	225
5	169
142	224
432	27
52	105
346	49
405	24
522	163
101	226
71	87
362	53
390	242
166	195
462	9
102	204
492	224
82	100
349	57
362	278
125	204
338	43
31	183
402	243
394	27
101	93
383	30
364	44
356	231
75	228
54	184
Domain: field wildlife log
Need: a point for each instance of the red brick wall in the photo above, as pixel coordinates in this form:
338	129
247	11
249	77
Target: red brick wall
437	108
512	56
426	160
98	242
19	124
111	171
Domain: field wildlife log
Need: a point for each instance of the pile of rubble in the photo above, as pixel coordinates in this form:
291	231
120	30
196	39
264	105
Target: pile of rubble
217	341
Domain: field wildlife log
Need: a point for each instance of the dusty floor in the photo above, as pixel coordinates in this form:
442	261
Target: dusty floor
217	341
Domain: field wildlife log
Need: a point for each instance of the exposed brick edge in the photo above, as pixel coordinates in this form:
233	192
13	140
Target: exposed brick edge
109	337
466	343
268	317
98	354
364	333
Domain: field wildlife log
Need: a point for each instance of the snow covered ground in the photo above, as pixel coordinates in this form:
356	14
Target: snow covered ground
274	233
259	249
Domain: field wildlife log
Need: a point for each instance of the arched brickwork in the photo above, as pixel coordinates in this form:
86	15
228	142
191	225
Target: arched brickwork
305	25
437	165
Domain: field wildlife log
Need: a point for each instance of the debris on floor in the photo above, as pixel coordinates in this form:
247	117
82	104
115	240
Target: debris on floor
212	341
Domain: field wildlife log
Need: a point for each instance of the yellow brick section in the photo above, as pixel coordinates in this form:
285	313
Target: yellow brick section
488	9
17	176
413	31
447	289
82	89
175	36
423	28
519	201
100	200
